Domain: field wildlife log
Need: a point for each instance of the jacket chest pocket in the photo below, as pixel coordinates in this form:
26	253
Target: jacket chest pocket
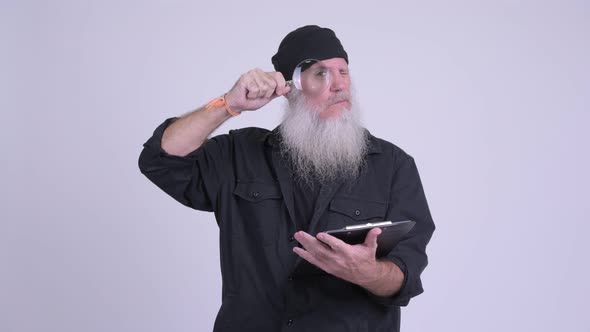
345	211
259	208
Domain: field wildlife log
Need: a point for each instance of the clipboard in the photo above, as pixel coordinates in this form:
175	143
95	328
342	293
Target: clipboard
391	234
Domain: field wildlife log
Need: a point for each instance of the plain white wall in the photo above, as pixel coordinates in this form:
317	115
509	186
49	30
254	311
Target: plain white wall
490	97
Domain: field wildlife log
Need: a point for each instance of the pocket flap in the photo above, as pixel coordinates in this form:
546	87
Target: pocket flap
258	191
358	209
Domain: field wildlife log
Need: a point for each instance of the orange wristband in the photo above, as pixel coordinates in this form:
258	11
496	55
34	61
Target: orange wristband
220	101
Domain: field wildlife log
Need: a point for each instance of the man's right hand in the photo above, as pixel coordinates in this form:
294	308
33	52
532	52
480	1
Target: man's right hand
255	89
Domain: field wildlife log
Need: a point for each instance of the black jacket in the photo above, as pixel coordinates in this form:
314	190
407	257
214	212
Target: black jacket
243	178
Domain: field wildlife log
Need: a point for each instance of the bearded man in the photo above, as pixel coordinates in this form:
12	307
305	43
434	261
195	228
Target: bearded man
274	193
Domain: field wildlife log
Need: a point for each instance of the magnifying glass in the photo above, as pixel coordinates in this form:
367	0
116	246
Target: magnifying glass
311	77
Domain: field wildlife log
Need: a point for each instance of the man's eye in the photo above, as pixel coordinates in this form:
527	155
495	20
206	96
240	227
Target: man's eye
321	73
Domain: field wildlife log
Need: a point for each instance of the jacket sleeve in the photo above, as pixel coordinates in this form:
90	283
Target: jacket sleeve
193	180
409	202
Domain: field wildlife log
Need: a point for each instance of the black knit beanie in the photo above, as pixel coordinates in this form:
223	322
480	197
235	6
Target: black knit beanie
308	42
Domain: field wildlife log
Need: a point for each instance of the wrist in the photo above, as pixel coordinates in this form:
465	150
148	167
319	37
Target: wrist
374	274
220	102
229	100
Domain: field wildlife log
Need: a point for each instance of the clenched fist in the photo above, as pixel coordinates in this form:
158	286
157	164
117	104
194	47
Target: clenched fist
255	89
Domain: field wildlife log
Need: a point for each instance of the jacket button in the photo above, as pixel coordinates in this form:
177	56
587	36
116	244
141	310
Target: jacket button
291	238
357	212
255	194
289	322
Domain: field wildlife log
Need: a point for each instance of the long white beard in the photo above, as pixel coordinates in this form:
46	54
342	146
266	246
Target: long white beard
320	149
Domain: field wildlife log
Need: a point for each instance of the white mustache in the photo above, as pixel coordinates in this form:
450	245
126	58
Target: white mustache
340	96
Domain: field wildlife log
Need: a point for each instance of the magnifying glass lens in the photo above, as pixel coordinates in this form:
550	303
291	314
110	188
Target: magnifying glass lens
312	77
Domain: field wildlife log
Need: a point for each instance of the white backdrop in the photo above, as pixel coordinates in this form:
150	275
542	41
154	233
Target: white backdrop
492	98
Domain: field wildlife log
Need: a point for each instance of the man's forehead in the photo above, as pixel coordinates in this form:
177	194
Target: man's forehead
335	62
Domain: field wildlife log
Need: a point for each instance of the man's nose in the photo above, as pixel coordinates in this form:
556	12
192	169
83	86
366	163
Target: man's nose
338	82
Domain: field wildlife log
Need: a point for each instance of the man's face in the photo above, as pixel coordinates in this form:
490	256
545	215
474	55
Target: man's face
336	97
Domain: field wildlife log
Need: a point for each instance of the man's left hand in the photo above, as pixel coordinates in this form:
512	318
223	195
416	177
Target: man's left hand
353	263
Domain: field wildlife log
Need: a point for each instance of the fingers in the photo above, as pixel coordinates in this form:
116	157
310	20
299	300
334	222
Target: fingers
282	87
333	242
309	242
371	238
313	251
255	89
316	248
307	256
260	84
322	248
335	256
326	244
